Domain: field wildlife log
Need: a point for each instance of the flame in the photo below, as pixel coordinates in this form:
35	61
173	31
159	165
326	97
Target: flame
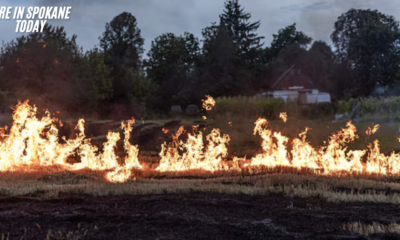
370	131
328	159
194	155
273	146
123	173
208	103
32	142
283	116
164	130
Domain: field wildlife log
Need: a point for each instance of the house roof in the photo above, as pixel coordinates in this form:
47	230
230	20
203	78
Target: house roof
293	77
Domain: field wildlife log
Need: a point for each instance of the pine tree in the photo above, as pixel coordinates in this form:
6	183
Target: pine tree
246	41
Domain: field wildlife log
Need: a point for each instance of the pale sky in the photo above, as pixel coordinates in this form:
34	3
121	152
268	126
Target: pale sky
88	18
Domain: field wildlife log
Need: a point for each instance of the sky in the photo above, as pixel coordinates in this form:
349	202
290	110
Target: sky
315	18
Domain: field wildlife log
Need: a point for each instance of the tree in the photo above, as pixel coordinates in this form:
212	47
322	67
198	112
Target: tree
367	45
95	77
168	53
171	63
123	47
221	72
288	47
286	37
318	64
243	32
41	67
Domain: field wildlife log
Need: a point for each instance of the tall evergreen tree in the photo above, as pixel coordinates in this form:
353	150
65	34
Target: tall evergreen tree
244	36
123	48
221	70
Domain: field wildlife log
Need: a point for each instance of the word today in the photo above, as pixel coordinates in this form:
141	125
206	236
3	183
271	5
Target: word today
34	13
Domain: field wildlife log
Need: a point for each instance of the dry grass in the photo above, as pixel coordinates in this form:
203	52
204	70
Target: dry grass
369	229
334	189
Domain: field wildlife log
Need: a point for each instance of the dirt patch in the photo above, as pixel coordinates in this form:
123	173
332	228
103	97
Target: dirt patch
188	216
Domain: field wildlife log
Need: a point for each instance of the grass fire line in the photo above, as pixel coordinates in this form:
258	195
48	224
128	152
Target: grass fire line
32	143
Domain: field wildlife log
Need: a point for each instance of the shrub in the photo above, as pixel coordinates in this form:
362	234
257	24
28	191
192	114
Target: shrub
269	108
371	108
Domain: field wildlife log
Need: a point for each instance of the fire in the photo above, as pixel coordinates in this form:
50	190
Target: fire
283	116
194	155
273	146
164	130
32	142
370	131
208	103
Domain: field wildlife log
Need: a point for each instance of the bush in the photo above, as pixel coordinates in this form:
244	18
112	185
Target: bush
249	106
371	108
270	108
318	110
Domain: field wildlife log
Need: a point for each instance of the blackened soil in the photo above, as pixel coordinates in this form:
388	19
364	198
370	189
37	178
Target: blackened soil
188	216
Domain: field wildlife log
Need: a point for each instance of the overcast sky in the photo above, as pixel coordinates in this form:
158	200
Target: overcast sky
155	17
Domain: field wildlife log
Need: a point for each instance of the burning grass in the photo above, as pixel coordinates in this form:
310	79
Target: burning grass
33	143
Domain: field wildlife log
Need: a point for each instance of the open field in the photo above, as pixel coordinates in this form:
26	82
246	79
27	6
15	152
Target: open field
265	206
253	203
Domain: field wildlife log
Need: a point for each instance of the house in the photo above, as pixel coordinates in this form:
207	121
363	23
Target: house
294	85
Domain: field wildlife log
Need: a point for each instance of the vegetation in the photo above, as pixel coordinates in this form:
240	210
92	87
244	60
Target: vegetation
371	108
228	60
269	108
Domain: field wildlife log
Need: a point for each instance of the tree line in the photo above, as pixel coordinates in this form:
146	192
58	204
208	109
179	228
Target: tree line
229	59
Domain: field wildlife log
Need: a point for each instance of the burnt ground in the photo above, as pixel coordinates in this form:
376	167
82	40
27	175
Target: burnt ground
188	216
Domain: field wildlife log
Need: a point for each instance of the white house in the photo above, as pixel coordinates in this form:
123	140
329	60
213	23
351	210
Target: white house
294	85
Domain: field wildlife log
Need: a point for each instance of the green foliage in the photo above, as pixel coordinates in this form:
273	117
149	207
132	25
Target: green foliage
270	108
243	32
220	70
169	54
319	110
96	81
123	47
142	86
171	65
250	106
122	41
286	37
371	108
367	44
41	67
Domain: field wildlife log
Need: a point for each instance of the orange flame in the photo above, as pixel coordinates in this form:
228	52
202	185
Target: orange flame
370	131
33	142
283	116
208	103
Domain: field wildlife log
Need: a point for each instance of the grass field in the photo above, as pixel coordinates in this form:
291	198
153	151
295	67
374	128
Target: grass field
255	203
82	205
